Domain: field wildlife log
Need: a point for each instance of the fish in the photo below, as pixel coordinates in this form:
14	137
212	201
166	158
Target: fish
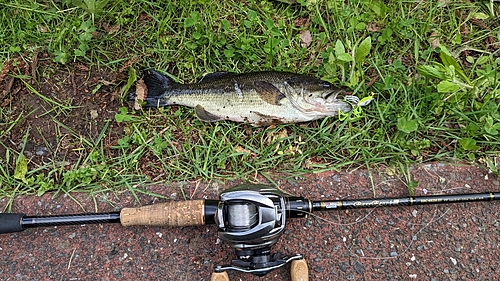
257	98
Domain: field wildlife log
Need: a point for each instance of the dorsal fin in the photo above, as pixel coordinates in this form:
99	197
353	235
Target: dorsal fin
268	92
214	76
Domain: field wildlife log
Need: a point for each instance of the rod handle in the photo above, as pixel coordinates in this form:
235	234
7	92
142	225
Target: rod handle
219	276
10	223
299	270
173	213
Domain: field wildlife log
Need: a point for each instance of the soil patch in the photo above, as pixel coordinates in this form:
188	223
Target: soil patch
48	111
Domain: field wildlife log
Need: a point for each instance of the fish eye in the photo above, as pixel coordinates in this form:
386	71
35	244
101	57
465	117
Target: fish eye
325	85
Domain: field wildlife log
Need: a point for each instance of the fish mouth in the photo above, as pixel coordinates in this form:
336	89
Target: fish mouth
340	97
330	96
335	106
334	101
333	97
329	103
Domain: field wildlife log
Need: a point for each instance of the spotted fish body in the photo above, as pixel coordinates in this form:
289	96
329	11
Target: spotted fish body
258	98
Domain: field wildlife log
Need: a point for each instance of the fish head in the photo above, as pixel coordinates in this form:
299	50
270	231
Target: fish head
314	96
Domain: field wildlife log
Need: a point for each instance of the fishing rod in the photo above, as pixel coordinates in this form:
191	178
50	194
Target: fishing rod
250	217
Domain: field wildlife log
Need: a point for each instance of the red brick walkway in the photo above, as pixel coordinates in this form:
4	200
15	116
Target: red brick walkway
445	242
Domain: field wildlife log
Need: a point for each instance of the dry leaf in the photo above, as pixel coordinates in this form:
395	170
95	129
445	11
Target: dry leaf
302	22
434	40
479	23
247	152
464	30
443	3
276	136
372	27
305	38
110	29
128	63
241	149
42	28
282	134
144	16
141	92
7	66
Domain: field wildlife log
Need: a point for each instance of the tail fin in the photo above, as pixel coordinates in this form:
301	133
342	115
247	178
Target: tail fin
157	84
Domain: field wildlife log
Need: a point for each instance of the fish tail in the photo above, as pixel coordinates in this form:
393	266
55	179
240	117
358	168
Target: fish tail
157	84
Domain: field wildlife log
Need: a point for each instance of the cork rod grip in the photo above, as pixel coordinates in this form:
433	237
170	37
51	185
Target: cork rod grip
173	213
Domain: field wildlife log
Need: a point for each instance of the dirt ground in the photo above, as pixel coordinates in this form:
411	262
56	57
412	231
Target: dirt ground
77	102
432	242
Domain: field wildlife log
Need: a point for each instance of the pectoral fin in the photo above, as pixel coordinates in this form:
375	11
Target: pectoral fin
206	116
268	92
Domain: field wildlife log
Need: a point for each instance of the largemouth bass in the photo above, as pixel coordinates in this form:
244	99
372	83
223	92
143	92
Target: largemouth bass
258	98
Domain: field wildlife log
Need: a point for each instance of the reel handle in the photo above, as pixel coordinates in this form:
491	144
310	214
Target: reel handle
299	270
173	213
219	276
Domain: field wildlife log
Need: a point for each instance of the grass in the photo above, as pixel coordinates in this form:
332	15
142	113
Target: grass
434	72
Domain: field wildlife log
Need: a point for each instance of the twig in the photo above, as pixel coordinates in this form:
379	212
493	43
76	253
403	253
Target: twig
71	258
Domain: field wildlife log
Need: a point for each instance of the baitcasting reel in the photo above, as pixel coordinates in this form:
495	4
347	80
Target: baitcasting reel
251	218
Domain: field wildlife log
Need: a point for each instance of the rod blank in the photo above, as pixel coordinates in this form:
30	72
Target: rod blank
404	201
75	219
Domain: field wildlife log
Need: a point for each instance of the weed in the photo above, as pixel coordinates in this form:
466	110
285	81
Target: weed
432	68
